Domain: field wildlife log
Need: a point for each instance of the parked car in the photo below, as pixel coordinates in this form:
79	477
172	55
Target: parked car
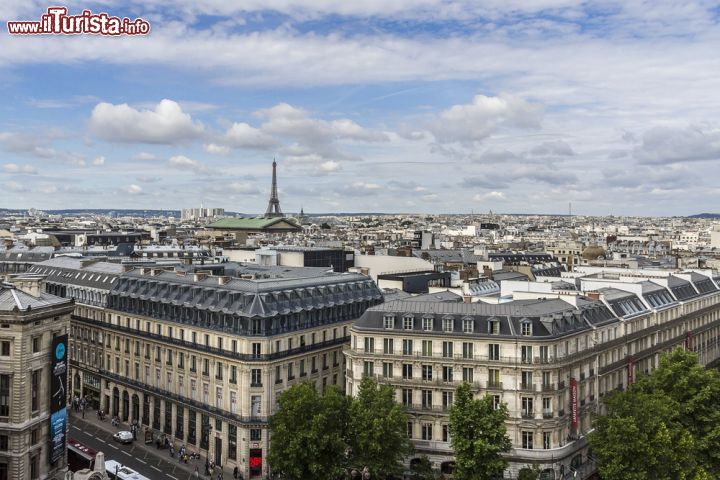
123	436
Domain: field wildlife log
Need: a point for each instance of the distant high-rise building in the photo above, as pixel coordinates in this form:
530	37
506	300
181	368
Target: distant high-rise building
200	213
273	209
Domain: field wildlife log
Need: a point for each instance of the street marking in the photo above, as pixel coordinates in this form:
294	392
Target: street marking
141	461
76	428
174	478
153	466
112	446
126	453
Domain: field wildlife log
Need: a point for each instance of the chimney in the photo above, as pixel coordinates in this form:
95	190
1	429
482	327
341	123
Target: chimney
201	275
127	268
593	295
467	299
31	284
223	279
487	271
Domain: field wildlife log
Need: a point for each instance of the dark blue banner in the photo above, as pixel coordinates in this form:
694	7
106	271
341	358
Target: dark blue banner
58	398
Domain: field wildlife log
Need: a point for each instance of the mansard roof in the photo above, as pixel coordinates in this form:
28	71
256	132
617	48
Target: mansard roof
548	318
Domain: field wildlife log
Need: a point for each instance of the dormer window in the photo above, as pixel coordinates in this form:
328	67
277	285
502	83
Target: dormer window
389	321
408	322
526	328
468	325
493	327
427	324
447	324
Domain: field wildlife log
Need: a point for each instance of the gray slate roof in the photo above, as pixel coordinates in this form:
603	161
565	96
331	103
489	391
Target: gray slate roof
12	299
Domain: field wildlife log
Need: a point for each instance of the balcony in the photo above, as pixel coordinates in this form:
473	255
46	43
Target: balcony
547	414
547	387
528	414
257	384
561	413
494	385
528	387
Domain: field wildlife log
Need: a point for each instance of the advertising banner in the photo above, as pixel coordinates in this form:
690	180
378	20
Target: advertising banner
573	404
630	371
58	398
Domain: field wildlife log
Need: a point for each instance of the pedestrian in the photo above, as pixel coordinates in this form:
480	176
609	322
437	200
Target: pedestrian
235	472
197	473
82	409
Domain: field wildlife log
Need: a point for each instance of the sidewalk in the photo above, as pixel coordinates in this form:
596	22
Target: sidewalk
163	454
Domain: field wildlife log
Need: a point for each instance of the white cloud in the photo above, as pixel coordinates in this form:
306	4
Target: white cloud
312	137
34	145
359	189
166	124
553	148
14	187
242	135
329	166
679	144
184	163
146	157
134	189
99	161
13	168
216	149
484	116
243	188
490	196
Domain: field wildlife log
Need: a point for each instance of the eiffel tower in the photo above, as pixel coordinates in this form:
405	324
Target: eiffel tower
273	209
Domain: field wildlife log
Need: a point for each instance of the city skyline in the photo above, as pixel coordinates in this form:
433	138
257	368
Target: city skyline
525	107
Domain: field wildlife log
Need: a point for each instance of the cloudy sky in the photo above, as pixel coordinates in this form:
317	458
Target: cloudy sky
403	106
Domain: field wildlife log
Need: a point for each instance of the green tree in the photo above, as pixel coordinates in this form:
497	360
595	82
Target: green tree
378	430
309	432
666	426
641	438
478	436
696	392
529	473
423	470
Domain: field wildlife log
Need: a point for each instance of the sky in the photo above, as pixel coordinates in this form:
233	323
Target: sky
423	106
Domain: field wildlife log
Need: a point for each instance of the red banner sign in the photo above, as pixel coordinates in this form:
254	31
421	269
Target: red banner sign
573	403
630	371
688	340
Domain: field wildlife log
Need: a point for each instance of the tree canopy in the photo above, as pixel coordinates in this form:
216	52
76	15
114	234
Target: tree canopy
309	433
478	436
320	436
665	426
378	430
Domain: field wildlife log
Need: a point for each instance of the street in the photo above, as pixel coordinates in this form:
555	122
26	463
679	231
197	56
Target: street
135	455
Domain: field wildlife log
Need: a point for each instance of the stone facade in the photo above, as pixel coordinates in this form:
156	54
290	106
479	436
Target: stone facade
29	320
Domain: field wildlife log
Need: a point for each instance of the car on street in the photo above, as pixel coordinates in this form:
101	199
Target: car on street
123	436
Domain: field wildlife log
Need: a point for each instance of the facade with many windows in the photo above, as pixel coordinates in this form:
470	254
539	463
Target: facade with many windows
29	320
203	358
551	359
